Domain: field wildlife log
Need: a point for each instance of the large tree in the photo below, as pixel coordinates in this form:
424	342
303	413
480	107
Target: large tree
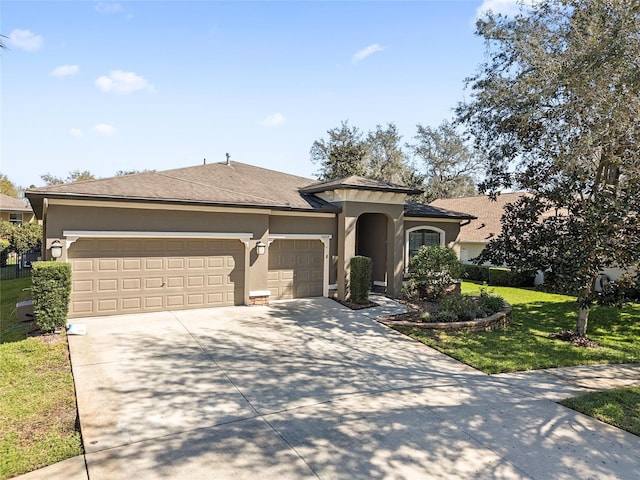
74	176
342	154
8	187
386	160
449	164
556	109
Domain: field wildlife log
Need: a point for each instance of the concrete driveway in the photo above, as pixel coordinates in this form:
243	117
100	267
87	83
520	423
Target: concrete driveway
310	389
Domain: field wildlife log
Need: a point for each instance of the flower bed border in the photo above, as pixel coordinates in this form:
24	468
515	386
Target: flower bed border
496	321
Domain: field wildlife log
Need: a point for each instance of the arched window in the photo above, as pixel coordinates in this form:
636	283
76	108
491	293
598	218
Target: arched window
417	237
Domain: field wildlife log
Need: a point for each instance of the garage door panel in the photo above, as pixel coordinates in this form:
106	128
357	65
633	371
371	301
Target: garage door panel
155	277
296	269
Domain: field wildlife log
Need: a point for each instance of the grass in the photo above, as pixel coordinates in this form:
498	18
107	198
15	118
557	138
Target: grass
37	398
12	292
525	344
620	407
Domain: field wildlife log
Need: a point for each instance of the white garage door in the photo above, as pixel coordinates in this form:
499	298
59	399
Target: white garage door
116	276
295	269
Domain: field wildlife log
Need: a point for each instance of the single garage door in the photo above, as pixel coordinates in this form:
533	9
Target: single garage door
116	276
295	269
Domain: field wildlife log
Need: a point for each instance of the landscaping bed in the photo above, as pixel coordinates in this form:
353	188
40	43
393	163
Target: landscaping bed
526	343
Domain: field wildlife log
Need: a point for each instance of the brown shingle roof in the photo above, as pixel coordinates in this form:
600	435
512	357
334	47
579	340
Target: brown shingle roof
487	224
216	183
11	204
360	183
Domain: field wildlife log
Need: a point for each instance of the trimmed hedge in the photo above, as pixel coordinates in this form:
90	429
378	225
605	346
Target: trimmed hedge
360	279
501	277
51	288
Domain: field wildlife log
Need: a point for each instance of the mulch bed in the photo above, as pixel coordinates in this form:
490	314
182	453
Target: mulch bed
574	339
355	306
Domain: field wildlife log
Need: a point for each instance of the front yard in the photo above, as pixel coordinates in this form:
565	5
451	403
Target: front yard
525	344
37	397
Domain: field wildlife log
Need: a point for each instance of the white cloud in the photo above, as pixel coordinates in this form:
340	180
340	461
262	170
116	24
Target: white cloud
123	82
76	132
365	52
274	120
108	8
65	71
25	40
104	129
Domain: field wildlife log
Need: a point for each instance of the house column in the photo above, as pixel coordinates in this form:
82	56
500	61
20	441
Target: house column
395	255
346	250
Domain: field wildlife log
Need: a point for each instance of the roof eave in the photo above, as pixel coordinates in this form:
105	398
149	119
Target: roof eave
36	198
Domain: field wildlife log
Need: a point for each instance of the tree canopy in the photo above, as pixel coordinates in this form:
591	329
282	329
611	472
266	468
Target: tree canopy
449	164
74	176
8	187
441	163
555	108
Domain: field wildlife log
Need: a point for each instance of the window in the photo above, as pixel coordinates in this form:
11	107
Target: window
15	218
416	237
419	238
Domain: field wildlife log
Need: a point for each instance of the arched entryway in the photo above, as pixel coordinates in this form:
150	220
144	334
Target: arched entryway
371	241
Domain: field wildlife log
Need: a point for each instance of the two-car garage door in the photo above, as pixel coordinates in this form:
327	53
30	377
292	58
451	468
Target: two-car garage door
113	276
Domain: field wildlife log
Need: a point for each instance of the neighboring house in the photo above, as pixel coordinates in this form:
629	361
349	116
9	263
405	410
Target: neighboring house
229	234
476	234
15	210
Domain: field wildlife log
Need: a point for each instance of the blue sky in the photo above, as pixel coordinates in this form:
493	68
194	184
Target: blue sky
108	86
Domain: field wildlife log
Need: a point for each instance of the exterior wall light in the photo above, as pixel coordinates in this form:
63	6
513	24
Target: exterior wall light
56	249
261	248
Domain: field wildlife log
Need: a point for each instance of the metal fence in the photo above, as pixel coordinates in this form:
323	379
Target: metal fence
19	266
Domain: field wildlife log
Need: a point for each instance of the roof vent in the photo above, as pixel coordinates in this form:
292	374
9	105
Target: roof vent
228	159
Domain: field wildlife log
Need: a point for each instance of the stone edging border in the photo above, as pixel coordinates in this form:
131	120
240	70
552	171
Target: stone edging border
496	321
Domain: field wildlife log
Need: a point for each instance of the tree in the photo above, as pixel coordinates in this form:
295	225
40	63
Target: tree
449	164
8	187
343	154
386	160
74	176
121	173
22	238
555	108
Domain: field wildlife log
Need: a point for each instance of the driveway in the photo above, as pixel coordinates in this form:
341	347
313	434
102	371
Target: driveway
310	389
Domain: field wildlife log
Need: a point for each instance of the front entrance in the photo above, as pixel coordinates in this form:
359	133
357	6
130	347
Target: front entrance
371	241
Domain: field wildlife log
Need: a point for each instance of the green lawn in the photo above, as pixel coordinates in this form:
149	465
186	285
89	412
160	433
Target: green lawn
37	398
525	344
616	407
11	292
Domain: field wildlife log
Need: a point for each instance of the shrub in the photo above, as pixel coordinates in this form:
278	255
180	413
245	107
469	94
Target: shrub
444	316
463	306
4	252
433	270
479	273
490	302
51	290
505	277
360	279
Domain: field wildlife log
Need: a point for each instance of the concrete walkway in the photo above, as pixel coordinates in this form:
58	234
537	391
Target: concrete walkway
311	389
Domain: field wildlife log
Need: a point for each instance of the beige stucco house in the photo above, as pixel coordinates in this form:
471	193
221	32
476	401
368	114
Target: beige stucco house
230	234
15	210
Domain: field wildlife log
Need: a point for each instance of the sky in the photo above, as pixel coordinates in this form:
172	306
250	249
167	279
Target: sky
108	86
